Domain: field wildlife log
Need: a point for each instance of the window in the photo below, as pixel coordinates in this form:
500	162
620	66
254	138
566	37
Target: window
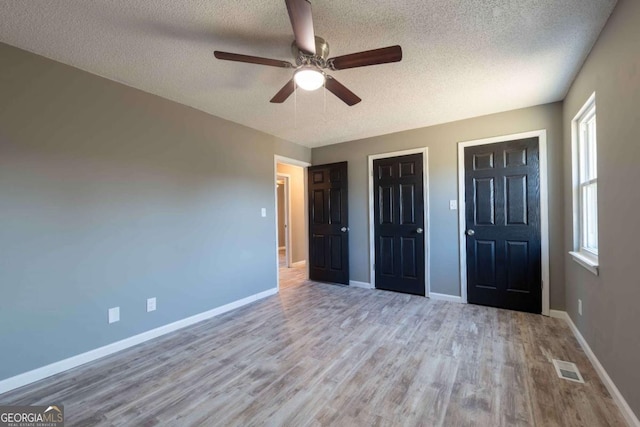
585	192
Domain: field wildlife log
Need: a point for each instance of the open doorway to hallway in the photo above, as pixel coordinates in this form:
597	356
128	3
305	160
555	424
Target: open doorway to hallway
283	207
291	224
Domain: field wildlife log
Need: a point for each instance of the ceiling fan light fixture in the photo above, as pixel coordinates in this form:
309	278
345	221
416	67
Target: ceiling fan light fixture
309	78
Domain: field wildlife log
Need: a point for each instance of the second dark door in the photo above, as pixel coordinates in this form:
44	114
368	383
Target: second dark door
328	226
399	224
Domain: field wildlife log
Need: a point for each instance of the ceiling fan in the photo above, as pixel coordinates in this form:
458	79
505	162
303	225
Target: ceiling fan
310	53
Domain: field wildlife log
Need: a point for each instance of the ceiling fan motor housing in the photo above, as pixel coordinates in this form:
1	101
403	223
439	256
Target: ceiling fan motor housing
319	59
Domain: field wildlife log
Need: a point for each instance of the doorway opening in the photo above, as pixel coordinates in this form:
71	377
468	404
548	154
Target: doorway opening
291	220
283	207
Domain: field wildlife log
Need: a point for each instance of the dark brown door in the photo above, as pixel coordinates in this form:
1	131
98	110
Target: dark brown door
328	223
502	186
399	224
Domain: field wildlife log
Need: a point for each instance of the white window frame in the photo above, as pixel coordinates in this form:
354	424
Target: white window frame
584	161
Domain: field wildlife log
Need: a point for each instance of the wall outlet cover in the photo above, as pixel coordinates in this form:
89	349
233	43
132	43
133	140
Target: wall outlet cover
114	314
151	304
453	205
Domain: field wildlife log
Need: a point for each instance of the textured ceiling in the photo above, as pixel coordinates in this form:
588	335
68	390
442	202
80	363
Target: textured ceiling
462	58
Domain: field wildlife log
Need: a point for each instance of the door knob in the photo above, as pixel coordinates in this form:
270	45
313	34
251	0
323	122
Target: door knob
344	229
419	230
470	232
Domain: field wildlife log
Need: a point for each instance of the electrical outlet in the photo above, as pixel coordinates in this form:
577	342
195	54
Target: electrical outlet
263	212
151	304
580	307
114	314
453	205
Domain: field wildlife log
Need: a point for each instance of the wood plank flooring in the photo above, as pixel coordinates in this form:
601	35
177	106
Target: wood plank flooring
320	354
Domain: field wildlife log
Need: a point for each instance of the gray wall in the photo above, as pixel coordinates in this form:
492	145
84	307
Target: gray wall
442	142
611	316
108	196
297	223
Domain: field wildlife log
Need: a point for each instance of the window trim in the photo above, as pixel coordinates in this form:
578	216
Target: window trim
584	256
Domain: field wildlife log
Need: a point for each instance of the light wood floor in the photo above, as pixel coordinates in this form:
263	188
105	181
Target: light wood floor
319	354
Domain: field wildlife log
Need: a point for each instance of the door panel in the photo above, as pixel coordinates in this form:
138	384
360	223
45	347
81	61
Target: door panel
398	223
517	266
485	255
317	248
408	261
318	206
407	204
502	184
336	251
516	203
485	205
328	229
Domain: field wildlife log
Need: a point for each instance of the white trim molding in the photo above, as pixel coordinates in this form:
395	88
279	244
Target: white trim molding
427	246
558	314
445	297
624	407
363	285
299	263
544	208
290	161
95	354
586	262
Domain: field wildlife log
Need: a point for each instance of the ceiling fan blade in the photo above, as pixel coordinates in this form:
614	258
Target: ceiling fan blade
369	57
252	59
302	23
339	90
284	93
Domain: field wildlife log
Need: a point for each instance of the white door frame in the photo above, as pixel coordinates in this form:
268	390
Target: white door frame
544	208
425	178
304	165
287	217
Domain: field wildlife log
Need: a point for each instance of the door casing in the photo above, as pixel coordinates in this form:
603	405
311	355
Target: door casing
544	208
427	237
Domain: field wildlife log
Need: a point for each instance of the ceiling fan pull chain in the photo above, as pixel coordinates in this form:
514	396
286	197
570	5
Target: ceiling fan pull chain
324	99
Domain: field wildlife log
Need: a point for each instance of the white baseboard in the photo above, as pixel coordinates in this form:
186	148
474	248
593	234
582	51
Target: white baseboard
558	314
299	263
445	297
356	284
80	359
626	410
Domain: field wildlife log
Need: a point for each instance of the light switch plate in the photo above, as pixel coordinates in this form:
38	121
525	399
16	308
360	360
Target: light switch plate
264	212
151	304
453	205
114	314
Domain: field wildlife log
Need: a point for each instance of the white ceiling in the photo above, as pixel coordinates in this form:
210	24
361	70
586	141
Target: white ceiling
462	58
